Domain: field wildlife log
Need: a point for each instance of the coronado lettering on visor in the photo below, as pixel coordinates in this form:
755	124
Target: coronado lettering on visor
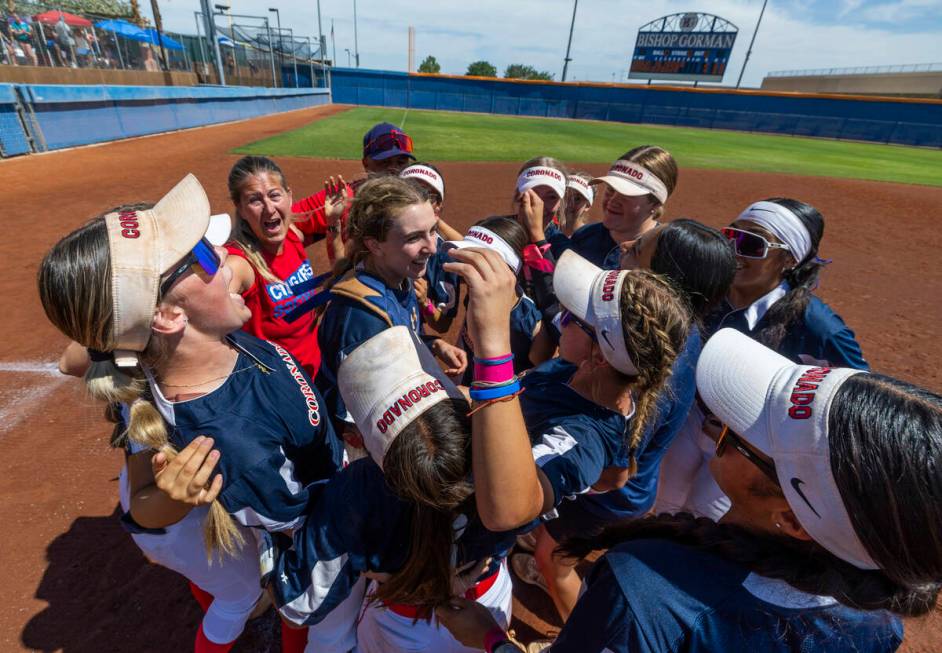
422	171
608	285
631	172
552	174
407	401
804	391
130	226
480	236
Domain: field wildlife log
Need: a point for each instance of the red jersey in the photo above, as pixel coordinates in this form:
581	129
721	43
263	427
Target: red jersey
284	312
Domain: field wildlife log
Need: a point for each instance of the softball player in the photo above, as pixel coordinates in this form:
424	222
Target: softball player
831	536
437	292
538	197
392	236
406	517
505	236
156	310
577	202
269	262
771	299
636	189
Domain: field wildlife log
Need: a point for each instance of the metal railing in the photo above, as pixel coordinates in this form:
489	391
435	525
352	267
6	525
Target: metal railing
859	70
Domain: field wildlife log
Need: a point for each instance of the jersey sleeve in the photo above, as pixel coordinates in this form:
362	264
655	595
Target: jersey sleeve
571	461
841	349
347	524
602	619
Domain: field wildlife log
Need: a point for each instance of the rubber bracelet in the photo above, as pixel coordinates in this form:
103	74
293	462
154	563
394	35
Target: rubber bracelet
497	360
494	373
494	393
429	308
493	637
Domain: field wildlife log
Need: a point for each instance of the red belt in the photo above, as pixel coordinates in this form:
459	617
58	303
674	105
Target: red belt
473	593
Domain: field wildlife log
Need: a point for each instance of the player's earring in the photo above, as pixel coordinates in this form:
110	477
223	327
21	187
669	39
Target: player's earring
777	525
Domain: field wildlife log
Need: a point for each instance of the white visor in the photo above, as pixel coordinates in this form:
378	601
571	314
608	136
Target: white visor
629	178
385	387
582	187
781	409
481	237
783	223
594	296
542	176
427	175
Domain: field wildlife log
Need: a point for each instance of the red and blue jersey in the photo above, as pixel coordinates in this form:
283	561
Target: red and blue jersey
658	596
283	311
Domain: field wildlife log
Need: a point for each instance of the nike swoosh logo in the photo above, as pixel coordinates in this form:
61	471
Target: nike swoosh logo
796	483
607	341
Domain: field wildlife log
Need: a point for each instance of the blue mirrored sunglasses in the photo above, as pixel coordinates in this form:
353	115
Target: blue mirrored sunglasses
202	254
566	317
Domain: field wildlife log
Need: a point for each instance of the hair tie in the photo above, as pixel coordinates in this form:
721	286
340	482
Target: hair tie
98	356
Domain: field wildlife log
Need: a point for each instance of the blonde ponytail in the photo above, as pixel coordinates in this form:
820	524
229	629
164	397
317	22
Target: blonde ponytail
655	321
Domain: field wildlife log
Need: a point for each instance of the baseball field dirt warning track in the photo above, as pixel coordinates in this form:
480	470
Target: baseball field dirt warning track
72	578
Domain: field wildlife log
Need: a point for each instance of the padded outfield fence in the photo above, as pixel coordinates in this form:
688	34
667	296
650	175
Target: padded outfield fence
35	118
883	120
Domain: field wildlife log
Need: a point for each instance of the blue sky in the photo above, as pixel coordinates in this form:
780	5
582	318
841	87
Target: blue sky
795	34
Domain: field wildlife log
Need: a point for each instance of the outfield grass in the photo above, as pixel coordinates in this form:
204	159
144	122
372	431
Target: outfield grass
451	136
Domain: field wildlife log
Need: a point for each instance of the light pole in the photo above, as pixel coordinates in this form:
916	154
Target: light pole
211	34
347	50
749	51
356	47
321	39
572	25
281	43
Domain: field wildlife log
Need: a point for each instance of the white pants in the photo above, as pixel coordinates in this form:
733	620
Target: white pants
233	581
383	631
337	633
685	483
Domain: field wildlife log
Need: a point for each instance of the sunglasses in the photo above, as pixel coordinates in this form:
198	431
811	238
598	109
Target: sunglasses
750	245
203	254
566	317
728	437
390	141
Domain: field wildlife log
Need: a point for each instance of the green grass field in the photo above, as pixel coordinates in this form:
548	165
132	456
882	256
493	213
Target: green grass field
450	136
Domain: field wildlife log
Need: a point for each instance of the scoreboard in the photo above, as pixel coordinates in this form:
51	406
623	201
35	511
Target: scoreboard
681	55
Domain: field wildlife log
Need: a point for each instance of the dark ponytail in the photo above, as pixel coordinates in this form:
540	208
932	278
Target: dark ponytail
802	278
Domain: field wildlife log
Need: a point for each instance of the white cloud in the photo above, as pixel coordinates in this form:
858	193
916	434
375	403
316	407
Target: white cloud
535	33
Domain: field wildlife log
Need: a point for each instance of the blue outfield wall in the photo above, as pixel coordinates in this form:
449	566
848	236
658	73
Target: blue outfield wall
65	116
885	120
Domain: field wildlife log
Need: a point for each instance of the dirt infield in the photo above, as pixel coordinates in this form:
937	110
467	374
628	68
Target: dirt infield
74	581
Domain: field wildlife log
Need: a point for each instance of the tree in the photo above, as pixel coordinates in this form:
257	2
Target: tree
520	71
482	69
430	65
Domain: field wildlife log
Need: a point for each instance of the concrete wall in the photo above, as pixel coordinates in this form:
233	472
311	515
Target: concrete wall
47	117
887	120
916	84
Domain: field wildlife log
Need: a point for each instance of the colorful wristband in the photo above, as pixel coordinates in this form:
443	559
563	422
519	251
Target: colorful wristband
494	373
429	308
493	637
497	360
495	393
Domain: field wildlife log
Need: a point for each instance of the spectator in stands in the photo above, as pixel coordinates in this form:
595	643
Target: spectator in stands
22	33
64	41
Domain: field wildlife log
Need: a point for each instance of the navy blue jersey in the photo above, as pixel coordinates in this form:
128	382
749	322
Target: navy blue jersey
821	334
573	439
347	323
638	494
523	320
649	596
592	242
267	421
443	287
358	525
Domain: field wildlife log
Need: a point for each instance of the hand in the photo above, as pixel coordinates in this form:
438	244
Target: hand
335	200
454	358
186	478
421	290
352	436
530	215
492	293
467	621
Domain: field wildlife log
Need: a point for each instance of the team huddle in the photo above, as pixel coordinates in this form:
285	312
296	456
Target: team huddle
670	394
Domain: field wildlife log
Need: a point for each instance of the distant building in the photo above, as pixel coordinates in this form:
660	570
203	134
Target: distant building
915	80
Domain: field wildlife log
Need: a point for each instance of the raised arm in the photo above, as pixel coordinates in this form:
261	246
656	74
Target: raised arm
507	490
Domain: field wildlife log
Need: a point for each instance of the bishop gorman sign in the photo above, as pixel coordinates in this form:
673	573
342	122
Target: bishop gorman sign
683	47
